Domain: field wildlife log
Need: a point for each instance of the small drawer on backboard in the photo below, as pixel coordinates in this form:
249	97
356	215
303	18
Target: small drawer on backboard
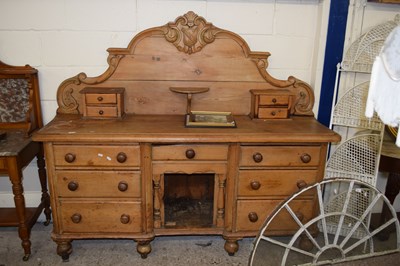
274	100
270	103
97	98
103	102
271	112
101	111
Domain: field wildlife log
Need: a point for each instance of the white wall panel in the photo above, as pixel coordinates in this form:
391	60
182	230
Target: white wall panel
242	17
100	15
296	19
29	14
20	47
159	12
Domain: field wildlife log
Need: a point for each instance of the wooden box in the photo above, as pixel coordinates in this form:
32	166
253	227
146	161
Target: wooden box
101	103
270	104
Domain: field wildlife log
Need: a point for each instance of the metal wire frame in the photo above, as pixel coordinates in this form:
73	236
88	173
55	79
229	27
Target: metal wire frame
340	244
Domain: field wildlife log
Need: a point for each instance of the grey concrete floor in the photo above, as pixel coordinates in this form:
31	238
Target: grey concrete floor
182	250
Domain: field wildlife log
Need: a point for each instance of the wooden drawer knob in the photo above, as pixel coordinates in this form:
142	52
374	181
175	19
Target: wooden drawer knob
100	99
125	218
76	218
73	185
305	158
101	112
122	186
274	100
121	157
257	157
190	153
253	217
255	185
70	157
301	184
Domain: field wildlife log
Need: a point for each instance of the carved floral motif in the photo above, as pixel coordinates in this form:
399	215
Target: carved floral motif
190	33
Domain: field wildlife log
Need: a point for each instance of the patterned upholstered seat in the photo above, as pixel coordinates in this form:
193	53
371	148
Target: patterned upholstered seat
19	98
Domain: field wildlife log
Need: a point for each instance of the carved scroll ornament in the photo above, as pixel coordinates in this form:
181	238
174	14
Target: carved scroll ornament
68	91
304	95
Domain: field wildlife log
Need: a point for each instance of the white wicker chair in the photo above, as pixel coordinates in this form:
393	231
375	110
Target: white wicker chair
361	54
357	156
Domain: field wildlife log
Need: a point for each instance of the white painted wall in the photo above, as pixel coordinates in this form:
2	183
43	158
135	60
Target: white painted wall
64	37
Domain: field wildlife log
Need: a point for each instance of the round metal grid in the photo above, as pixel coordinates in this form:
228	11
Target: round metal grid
321	246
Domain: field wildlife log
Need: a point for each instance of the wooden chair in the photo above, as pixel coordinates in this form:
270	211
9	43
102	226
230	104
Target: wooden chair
20	116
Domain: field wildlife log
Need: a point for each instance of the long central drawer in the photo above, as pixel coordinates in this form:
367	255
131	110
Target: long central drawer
190	152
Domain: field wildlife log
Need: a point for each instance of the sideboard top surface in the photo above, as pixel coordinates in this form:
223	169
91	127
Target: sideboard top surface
171	128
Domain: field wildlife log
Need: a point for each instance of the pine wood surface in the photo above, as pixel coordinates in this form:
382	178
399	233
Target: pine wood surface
171	128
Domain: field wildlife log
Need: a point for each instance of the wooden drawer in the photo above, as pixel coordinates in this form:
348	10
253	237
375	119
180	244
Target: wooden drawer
102	111
100	217
274	100
251	215
270	104
97	98
190	152
274	182
272	112
280	156
98	184
88	155
103	102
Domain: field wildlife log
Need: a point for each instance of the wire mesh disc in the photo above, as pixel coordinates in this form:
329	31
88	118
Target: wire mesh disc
311	243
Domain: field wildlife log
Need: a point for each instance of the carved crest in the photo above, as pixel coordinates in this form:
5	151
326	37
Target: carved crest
190	33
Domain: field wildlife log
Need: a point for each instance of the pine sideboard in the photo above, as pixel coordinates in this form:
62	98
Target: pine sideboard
123	164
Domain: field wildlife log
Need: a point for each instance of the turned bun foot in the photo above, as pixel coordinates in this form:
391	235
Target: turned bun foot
64	249
144	248
231	246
